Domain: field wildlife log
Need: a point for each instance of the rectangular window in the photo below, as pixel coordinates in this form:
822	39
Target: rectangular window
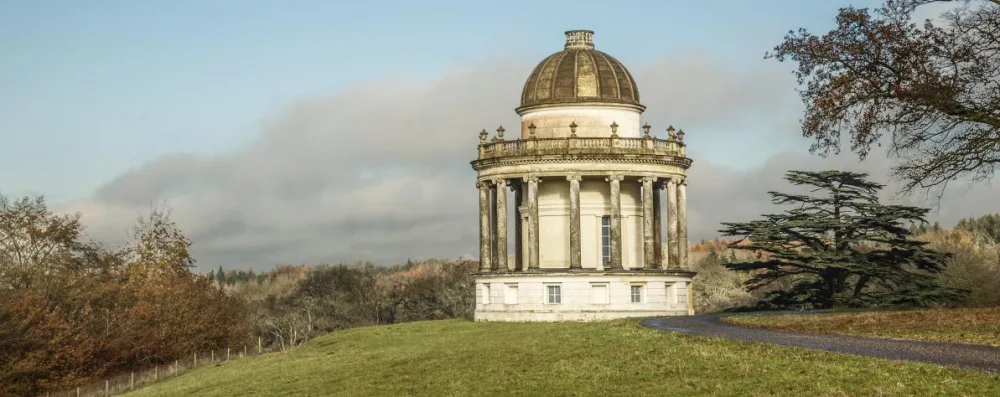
553	294
606	239
636	294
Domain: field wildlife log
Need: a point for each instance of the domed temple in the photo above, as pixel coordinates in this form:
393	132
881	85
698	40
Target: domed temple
589	218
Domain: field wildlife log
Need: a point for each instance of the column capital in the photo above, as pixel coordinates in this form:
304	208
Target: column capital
483	183
574	177
500	182
612	177
650	179
683	182
532	178
671	181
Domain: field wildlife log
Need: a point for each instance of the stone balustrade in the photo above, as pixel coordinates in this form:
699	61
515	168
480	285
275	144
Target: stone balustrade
581	146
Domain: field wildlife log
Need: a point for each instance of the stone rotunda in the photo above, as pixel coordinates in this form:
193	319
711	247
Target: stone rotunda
589	216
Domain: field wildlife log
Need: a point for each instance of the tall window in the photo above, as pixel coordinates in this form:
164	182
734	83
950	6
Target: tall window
554	294
636	294
606	239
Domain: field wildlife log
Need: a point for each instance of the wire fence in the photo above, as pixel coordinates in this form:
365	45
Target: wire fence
125	382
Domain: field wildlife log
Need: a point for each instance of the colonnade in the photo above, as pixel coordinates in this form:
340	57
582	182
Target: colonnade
493	223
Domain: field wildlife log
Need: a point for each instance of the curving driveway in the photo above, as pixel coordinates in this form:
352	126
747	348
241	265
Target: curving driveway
982	357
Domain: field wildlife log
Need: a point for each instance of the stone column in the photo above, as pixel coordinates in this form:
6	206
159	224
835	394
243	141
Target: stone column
501	229
658	225
518	237
672	240
649	249
575	260
616	221
682	224
532	222
484	225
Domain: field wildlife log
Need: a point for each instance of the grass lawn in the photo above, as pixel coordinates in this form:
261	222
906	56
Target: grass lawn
953	325
463	358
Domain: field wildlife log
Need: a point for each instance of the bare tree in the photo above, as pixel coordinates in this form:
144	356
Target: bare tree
933	88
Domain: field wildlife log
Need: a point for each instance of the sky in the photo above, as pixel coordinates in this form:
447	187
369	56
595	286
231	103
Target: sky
316	131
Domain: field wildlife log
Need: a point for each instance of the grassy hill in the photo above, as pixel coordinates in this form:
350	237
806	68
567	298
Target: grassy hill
462	358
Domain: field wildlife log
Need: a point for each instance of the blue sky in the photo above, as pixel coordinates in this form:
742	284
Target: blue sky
89	90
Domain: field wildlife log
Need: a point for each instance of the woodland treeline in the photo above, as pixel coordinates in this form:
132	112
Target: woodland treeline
72	310
75	310
973	264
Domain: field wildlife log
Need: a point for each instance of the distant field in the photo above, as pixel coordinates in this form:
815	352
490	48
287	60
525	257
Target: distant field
462	358
953	325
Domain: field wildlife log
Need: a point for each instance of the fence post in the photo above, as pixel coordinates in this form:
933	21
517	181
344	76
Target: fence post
156	373
195	360
78	391
258	345
176	365
227	354
107	388
244	350
131	381
213	357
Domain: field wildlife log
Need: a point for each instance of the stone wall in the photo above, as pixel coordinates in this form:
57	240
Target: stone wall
584	297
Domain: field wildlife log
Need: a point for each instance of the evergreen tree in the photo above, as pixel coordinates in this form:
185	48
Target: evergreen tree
840	247
986	227
220	276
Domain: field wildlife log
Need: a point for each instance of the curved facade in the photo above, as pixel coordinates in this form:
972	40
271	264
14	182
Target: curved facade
595	227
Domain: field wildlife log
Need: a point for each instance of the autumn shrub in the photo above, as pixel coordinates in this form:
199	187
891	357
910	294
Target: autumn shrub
974	264
716	288
73	310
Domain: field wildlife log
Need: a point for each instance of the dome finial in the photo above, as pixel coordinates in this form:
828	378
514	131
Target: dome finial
579	39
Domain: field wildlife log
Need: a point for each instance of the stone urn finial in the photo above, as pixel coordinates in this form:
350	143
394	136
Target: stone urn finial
572	128
531	130
482	136
680	135
671	132
500	131
645	129
614	128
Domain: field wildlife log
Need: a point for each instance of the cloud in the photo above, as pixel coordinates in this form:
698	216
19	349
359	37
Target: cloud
381	172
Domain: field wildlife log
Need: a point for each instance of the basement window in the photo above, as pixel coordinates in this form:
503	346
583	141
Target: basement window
636	294
553	294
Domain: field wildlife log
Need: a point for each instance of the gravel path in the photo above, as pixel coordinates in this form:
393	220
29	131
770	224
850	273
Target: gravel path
955	354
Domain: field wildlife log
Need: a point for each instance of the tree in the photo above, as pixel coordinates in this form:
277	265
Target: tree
840	247
986	227
934	88
220	277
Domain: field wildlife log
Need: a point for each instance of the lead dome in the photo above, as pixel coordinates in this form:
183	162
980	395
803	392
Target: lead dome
579	74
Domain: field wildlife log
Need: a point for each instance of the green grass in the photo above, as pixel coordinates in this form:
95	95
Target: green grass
977	325
462	358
